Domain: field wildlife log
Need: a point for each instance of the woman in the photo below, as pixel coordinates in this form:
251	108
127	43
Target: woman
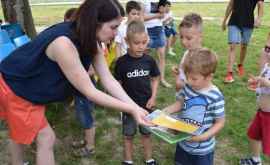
50	68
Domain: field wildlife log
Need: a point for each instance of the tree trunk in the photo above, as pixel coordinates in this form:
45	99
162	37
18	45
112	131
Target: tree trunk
19	11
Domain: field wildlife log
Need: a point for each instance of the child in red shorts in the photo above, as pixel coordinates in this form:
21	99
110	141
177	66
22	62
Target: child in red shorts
259	130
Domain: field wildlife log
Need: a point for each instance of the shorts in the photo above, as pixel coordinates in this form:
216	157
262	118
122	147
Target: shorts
238	35
24	119
84	108
169	31
157	37
184	158
129	125
259	130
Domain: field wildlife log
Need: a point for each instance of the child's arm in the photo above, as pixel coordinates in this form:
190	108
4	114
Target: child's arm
175	107
257	21
147	17
265	55
118	50
227	14
154	85
217	126
179	84
264	82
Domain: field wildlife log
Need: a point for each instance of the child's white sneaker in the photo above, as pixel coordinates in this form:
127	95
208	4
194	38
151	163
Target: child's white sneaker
249	161
170	52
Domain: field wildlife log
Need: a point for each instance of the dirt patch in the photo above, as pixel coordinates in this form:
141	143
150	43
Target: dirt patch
4	156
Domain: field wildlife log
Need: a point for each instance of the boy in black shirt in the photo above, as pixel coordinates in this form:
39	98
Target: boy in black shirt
139	75
240	27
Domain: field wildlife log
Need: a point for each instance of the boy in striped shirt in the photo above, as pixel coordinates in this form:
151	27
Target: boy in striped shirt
201	103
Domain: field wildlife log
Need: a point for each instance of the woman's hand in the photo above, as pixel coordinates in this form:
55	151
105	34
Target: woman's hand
139	115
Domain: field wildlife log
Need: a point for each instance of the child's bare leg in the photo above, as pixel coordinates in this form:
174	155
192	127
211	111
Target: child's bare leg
173	40
45	143
16	151
147	146
168	43
231	57
255	147
162	63
243	52
90	137
128	148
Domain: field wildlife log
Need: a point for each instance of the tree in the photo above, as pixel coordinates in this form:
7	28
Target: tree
19	11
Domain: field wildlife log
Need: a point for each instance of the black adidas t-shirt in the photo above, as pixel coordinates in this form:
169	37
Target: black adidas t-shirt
243	13
135	75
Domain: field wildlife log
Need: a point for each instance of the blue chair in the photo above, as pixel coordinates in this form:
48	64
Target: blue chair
19	41
4	38
14	30
5	50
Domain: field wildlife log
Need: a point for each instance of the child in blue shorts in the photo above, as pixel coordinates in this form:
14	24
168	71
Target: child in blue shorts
169	27
240	27
84	109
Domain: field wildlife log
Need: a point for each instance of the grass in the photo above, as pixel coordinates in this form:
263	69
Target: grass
240	103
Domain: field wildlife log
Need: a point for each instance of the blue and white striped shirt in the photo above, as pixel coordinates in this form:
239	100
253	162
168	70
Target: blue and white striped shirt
200	108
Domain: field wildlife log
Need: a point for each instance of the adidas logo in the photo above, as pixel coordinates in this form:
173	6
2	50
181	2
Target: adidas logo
138	73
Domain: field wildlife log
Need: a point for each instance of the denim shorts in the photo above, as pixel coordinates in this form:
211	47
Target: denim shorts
157	37
169	31
129	125
84	108
238	35
184	158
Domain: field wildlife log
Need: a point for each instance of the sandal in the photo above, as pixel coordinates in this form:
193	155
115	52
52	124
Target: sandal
78	144
83	152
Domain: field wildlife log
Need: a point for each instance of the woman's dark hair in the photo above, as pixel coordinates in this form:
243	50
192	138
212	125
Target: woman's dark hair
69	14
89	18
162	3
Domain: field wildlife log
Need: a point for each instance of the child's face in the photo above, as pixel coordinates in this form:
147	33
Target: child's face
190	38
134	15
197	81
167	8
137	44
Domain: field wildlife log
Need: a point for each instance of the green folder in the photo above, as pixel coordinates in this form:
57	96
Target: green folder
168	136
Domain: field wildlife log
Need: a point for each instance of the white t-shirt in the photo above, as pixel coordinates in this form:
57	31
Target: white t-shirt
120	37
148	4
264	91
182	75
167	16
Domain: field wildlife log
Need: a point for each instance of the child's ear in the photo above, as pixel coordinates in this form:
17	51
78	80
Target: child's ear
148	39
127	41
210	76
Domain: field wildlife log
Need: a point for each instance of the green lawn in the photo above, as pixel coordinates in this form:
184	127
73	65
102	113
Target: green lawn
240	103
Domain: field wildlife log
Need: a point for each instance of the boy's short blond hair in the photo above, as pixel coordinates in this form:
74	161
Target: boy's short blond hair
201	60
135	27
192	20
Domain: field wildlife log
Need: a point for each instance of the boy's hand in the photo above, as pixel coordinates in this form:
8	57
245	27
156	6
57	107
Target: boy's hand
198	138
252	82
151	103
264	81
175	70
257	22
